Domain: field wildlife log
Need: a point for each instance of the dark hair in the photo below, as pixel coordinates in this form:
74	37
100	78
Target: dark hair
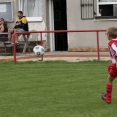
21	12
2	19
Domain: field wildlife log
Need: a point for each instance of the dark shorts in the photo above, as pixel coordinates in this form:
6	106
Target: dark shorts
112	70
3	35
20	30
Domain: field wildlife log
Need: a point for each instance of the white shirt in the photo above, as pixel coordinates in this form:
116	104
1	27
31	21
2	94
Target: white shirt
113	50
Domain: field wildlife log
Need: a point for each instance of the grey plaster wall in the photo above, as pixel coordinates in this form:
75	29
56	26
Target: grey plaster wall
76	40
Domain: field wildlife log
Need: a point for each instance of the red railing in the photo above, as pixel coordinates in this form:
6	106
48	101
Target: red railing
59	31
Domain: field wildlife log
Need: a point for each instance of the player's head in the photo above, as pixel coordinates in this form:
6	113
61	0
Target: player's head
112	33
20	14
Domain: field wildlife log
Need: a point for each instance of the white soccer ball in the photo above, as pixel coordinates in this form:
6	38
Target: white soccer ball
38	50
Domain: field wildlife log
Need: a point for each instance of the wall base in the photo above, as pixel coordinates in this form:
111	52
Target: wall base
87	49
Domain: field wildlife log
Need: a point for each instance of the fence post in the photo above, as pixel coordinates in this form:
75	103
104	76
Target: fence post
14	48
98	45
41	43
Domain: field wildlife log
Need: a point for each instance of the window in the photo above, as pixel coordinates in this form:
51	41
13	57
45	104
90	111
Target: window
6	11
32	9
107	8
87	9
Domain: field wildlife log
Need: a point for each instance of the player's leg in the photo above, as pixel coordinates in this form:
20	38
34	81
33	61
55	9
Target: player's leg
10	34
109	86
110	80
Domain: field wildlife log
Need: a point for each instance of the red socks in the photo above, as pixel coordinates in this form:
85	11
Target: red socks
109	92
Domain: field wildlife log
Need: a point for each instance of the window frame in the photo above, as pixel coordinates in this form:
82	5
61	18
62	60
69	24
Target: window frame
30	19
103	3
12	10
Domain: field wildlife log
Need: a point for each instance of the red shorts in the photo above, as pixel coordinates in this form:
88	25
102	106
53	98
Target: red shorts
112	70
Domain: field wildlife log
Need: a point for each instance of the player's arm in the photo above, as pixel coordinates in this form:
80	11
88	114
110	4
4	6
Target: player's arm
116	64
114	47
2	28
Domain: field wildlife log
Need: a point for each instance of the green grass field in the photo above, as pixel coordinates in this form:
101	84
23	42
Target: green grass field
55	89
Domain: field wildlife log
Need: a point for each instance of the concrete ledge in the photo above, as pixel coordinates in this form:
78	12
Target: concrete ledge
87	49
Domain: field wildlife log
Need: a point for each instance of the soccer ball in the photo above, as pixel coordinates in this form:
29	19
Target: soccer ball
38	50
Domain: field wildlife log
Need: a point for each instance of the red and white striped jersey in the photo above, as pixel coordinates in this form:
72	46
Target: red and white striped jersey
113	50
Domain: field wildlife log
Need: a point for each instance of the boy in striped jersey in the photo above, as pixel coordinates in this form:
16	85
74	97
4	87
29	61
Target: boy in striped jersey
112	69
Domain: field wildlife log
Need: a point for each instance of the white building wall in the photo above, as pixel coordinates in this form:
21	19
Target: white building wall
76	41
84	41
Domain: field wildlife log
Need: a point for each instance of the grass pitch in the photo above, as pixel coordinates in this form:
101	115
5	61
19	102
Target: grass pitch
55	89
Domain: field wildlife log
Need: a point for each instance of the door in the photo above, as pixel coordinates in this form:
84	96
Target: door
60	23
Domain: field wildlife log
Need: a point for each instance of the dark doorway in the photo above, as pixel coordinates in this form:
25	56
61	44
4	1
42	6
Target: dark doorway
60	23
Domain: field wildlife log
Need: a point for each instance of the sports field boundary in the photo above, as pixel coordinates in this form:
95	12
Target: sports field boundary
53	56
97	31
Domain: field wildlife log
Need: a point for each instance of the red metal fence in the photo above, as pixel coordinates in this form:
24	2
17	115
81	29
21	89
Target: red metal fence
59	31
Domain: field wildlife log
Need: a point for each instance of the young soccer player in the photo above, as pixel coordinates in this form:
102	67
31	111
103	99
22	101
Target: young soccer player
112	69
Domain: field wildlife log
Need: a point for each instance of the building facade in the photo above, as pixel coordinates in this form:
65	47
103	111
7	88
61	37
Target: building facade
68	15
